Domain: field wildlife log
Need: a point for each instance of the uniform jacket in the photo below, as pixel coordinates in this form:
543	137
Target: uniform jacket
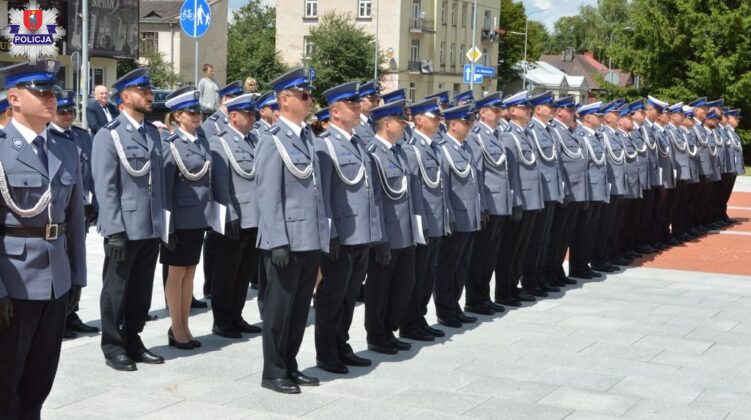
680	151
233	175
391	173
34	268
729	153
129	204
740	167
706	147
215	123
291	209
630	165
259	128
616	160
489	157
573	160
547	160
522	160
465	194
189	202
82	140
641	147
693	152
597	165
365	130
435	199
354	210
647	132
665	156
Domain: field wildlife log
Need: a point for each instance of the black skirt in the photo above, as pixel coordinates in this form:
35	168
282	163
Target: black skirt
188	252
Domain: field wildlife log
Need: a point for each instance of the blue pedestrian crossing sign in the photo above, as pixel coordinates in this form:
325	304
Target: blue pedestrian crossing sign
195	17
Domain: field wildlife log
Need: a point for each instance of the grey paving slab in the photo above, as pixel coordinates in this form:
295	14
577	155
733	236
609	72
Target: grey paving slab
359	409
583	379
510	390
187	409
658	410
444	402
660	390
496	408
596	402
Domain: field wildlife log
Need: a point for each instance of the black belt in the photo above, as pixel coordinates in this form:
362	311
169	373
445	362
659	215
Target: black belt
49	232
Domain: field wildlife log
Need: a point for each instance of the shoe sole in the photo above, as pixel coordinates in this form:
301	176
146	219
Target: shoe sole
292	391
129	369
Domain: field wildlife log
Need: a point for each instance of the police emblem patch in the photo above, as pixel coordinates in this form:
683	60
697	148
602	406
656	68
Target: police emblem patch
17	143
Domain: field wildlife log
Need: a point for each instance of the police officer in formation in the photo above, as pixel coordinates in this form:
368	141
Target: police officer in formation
43	260
370	97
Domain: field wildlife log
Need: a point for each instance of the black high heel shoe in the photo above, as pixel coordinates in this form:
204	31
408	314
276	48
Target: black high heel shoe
195	343
174	343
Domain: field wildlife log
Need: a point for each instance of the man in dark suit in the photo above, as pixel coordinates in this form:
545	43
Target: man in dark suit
101	111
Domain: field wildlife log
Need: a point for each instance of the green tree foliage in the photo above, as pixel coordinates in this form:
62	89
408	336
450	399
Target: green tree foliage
511	47
343	52
161	71
592	29
251	48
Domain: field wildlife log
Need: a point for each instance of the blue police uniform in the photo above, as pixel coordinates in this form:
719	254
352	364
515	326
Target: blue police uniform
366	130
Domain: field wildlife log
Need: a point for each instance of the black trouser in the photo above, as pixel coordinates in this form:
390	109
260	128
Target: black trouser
704	202
662	223
209	254
335	301
29	354
539	243
236	262
605	230
387	293
691	216
126	296
285	311
426	262
514	243
585	234
646	217
678	208
451	276
725	191
628	223
487	243
564	223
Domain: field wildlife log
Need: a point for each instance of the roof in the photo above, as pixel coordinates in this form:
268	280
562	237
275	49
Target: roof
585	65
546	75
160	11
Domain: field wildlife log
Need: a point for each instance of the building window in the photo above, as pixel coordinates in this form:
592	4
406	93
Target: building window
96	78
149	43
444	5
311	8
462	54
488	22
452	63
464	15
308	47
453	13
442	54
364	9
440	86
414	51
412	89
484	56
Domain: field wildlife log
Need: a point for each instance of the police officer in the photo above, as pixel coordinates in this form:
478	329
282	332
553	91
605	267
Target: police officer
678	205
636	136
535	278
633	187
215	123
524	172
43	263
129	185
426	160
292	231
353	209
582	246
62	129
706	149
691	217
444	102
6	112
370	97
463	98
391	269
233	179
489	158
729	165
643	134
571	213
666	174
713	209
268	112
734	118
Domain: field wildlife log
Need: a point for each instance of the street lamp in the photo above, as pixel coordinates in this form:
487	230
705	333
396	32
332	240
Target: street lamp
610	46
526	37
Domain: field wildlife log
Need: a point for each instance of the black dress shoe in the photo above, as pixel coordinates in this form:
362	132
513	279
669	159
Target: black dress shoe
244	327
226	332
433	331
197	304
303	380
464	318
351	359
603	268
645	249
525	297
121	362
480	310
417	335
333	367
659	246
450	322
509	301
633	255
550	288
399	344
150	318
620	261
384	348
594	274
145	356
284	385
673	242
538	293
75	324
254	286
580	275
496	307
69	334
567	281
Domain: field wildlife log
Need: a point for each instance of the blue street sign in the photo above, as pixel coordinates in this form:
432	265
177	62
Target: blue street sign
195	17
311	74
485	71
467	74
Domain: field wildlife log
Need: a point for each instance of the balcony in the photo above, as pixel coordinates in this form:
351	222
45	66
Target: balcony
422	26
413	67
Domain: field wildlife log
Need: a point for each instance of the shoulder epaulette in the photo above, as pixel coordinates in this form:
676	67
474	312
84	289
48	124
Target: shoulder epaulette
412	141
440	141
112	124
214	117
326	133
220	133
273	129
476	129
371	147
171	138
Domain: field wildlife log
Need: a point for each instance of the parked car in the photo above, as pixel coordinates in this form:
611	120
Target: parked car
158	109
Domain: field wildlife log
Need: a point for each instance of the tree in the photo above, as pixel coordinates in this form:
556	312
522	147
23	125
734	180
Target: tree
590	30
511	47
161	72
251	45
343	52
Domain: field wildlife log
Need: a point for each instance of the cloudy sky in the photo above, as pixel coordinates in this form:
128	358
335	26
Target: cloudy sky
556	8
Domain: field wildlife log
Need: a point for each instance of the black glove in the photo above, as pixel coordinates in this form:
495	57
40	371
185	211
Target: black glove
484	219
334	248
90	213
452	229
383	254
280	256
115	247
6	312
73	297
172	242
516	214
232	230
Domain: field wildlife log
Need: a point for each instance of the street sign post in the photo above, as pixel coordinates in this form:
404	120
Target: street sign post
467	74
312	74
195	20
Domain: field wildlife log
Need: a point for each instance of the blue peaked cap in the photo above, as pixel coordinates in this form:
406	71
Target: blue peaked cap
494	99
369	88
565	102
393	109
139	77
65	99
323	115
461	112
297	78
425	107
233	89
40	76
442	96
241	103
393	96
343	92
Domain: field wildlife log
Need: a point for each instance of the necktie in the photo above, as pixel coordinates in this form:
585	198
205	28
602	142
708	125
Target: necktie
249	139
68	133
41	153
